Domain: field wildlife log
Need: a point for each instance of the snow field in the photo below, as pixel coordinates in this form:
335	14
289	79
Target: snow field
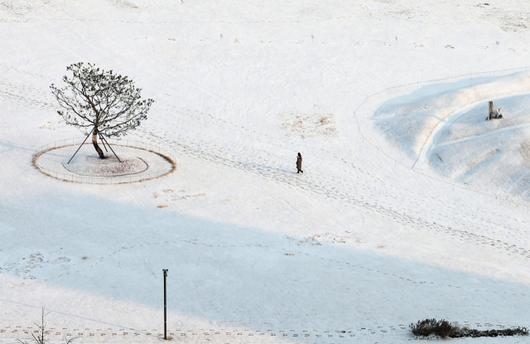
359	246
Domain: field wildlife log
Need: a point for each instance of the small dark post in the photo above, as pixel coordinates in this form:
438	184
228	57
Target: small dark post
165	304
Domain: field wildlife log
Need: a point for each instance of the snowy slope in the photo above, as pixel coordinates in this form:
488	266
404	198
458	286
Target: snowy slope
494	153
443	126
354	250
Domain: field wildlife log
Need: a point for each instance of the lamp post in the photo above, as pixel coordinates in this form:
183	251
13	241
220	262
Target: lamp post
164	271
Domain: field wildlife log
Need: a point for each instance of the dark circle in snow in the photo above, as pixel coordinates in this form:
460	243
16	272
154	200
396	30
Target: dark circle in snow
135	164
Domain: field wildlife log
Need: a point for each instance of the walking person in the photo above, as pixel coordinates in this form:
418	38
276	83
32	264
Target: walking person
299	163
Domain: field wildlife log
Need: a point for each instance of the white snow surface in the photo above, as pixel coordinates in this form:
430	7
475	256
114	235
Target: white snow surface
377	233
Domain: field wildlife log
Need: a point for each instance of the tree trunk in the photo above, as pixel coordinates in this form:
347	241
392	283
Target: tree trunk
95	144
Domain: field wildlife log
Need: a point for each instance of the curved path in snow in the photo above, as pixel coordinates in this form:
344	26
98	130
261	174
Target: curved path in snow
362	180
369	187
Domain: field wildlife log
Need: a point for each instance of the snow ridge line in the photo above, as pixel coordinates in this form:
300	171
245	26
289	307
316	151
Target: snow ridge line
228	336
316	187
16	332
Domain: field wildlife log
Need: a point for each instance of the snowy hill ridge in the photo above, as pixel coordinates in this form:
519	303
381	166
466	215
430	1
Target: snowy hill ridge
420	123
433	126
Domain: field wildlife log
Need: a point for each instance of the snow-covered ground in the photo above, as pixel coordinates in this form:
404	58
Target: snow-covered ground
444	126
376	234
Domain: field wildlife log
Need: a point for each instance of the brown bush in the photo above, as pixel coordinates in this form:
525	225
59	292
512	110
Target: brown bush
444	329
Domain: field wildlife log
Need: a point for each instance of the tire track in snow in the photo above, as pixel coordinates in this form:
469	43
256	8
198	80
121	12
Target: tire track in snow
262	166
416	202
318	186
363	269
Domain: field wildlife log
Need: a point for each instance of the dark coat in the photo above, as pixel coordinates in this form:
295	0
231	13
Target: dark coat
299	162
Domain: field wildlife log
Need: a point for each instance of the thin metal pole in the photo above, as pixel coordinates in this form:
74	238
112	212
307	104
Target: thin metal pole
108	144
165	304
104	145
80	146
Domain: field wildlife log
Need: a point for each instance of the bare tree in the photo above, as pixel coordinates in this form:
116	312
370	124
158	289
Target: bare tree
39	335
100	101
